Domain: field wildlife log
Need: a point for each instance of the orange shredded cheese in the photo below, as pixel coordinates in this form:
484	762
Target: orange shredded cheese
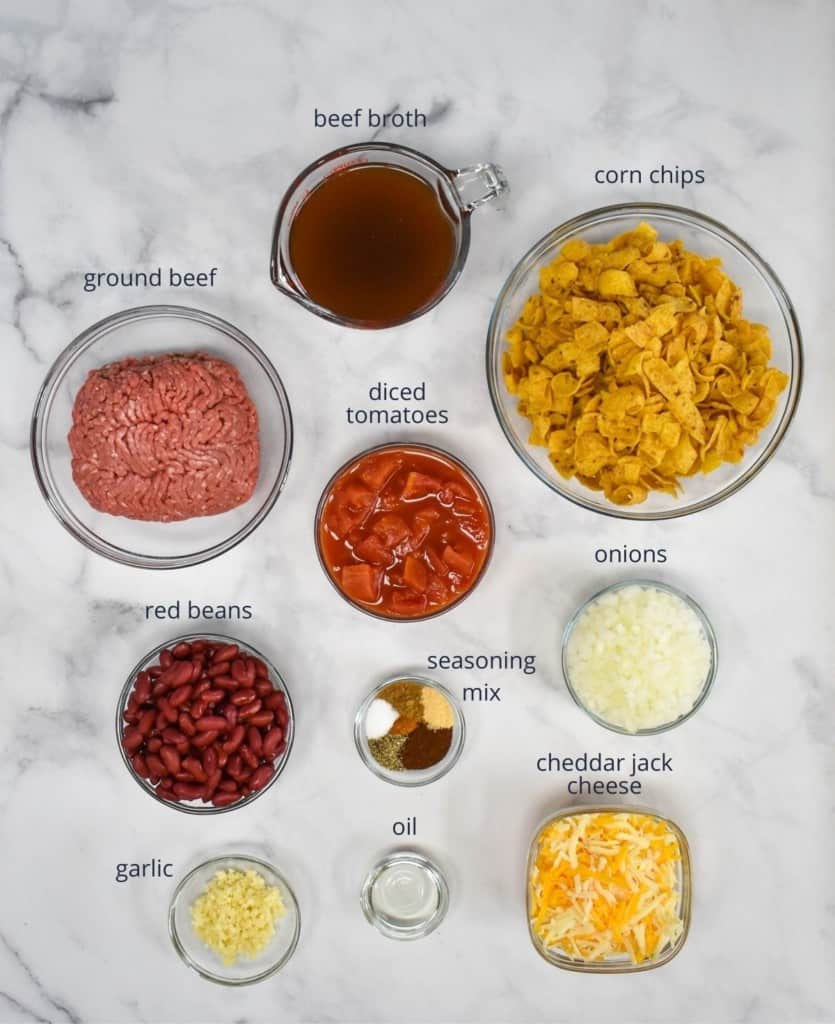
605	884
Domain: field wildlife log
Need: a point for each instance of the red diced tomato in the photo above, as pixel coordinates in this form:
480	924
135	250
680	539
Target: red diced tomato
476	530
421	529
391	529
458	561
415	574
404	602
362	582
350	508
437	591
419	485
373	549
380	470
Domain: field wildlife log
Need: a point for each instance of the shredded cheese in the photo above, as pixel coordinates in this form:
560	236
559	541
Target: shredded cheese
606	884
236	915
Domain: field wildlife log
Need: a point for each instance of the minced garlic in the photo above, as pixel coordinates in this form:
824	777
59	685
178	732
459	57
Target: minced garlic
237	913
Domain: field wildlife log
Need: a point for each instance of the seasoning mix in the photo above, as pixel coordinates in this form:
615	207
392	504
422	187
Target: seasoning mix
409	726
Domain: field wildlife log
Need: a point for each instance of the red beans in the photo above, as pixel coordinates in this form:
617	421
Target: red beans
205	724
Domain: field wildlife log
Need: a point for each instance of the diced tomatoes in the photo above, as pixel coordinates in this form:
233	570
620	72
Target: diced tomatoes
415	574
421	528
379	469
350	508
458	561
391	529
373	549
419	485
437	564
362	582
404	602
438	592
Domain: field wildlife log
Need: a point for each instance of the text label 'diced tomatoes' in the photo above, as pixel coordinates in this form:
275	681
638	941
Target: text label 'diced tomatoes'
404	531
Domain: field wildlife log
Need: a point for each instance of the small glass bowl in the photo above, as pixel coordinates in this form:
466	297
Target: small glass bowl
154	330
396	928
414	776
203	960
709	635
621	964
152	658
424	449
765	301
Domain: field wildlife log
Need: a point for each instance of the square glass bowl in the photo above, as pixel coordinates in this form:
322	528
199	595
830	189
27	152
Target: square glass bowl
764	301
621	964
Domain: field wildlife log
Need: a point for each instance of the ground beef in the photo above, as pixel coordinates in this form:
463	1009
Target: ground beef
165	438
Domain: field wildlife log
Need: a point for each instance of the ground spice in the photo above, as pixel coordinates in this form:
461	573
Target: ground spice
437	710
406	697
403	726
386	751
425	747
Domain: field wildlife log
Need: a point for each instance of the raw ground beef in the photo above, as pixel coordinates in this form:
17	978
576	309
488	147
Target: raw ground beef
165	438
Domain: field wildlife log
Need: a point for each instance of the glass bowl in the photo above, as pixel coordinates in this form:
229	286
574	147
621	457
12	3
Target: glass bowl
765	301
414	776
154	330
621	964
205	961
196	806
408	926
421	449
710	636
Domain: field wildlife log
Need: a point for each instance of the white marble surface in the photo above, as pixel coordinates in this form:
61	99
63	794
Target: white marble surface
139	132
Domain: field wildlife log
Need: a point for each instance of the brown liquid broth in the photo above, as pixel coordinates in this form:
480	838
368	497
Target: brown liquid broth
372	243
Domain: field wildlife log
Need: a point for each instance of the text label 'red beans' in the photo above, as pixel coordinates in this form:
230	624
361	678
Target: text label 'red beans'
404	531
205	724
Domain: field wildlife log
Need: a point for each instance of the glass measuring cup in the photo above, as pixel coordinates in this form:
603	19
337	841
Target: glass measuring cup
458	193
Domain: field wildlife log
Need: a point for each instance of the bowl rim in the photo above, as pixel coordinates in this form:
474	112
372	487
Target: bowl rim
405	856
668	213
619	966
43	406
189	961
448	761
707	627
431	449
124	695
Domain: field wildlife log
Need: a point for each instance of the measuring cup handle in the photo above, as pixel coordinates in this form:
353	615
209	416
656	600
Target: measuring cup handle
479	184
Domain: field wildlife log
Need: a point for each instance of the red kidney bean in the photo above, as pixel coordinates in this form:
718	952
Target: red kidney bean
238	671
171	714
225	653
271	742
212	782
260	668
248	757
228	786
197	670
188	790
242	697
254	741
139	765
246	710
155	765
235	766
180	696
260	777
154	671
146	722
213	696
262	719
186	724
154	744
204	739
132	739
195	768
235	739
179	673
263	687
230	713
283	717
210	762
142	687
217	669
182	650
211	723
199	646
225	683
224	799
222	756
274	701
171	759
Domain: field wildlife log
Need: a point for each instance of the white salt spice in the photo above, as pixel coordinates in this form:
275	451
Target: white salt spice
379	718
638	657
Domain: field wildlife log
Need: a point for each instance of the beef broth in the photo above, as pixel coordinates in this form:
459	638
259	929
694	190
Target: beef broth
373	243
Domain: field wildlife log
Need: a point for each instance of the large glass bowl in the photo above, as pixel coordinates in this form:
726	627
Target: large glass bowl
764	301
153	330
196	955
152	658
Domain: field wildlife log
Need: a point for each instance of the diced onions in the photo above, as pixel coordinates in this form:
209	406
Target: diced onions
638	657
